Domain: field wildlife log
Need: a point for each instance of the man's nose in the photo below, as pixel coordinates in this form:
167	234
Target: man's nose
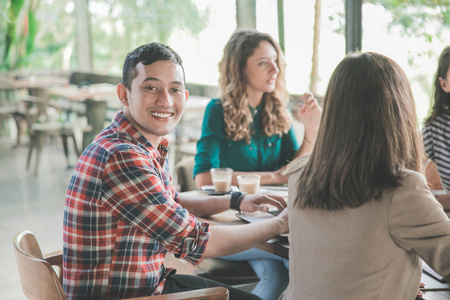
165	99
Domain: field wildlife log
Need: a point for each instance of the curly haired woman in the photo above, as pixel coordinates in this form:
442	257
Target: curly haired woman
249	130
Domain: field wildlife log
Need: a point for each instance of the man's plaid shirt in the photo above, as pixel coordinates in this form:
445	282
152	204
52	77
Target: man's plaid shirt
121	218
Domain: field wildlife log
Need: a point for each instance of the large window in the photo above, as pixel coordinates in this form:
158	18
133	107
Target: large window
202	52
415	48
199	29
299	38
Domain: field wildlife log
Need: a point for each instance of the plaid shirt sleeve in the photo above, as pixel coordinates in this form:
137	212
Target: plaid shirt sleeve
136	191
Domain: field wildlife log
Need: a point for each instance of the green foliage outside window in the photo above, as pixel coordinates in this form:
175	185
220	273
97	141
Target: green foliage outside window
122	25
116	27
18	25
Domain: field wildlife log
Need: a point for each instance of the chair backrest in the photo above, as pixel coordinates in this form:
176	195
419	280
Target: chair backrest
184	171
35	109
39	280
214	293
432	176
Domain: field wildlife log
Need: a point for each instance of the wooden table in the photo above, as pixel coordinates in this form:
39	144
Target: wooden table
39	81
278	245
97	92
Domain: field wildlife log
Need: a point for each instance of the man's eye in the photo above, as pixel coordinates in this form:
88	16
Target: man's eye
176	90
262	63
151	88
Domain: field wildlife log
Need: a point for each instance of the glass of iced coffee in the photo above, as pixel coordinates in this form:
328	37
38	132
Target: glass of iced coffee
221	178
249	183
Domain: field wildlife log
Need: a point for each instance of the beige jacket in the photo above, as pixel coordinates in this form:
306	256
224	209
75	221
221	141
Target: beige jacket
370	252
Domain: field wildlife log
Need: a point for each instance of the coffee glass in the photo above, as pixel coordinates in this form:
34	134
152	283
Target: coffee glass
249	183
221	178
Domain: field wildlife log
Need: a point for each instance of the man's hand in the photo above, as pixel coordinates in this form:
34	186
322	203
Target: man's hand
255	202
419	292
285	220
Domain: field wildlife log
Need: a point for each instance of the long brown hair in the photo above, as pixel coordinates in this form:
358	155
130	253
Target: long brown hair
441	98
233	83
367	136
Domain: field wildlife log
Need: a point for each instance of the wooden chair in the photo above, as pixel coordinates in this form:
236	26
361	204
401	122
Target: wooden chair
432	176
40	281
235	273
184	171
96	116
10	108
41	127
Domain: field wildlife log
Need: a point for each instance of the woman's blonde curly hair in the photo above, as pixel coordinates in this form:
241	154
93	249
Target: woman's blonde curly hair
233	84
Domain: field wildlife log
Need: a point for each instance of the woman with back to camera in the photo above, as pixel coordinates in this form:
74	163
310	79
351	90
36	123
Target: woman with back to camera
361	216
249	130
436	132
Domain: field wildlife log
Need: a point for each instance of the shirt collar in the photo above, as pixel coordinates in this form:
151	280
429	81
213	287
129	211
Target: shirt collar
122	124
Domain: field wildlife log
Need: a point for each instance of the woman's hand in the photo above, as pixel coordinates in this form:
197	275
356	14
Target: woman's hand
309	114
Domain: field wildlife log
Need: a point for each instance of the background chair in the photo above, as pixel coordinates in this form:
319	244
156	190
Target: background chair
238	274
42	122
96	117
41	276
10	108
184	171
432	176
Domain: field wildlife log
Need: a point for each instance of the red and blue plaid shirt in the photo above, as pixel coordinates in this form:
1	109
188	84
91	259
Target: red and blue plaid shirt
122	216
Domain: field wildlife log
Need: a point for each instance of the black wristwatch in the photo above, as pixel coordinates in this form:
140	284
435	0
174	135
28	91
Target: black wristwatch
236	198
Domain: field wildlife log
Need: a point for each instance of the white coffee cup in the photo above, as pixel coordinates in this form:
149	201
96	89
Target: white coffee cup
249	183
221	178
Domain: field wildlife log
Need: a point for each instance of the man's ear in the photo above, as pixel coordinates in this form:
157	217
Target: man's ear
444	85
122	93
187	94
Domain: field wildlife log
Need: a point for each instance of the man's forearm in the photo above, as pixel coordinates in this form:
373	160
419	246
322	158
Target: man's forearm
205	205
226	240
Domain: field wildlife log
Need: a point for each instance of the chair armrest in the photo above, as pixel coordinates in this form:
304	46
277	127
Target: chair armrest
54	258
206	293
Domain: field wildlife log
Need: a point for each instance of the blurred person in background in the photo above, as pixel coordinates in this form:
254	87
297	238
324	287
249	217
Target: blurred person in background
436	132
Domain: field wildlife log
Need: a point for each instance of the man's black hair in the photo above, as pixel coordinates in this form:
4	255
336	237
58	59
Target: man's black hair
147	54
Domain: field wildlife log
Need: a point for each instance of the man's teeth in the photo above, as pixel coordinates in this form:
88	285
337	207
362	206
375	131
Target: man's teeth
160	115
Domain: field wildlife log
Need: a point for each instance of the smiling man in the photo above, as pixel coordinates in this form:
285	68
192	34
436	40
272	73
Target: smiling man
122	214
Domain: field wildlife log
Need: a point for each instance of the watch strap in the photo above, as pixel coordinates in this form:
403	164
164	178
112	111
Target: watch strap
235	201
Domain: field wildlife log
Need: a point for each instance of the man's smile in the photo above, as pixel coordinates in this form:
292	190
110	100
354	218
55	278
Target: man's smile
163	115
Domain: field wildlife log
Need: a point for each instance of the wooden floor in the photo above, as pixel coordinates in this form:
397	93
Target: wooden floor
35	203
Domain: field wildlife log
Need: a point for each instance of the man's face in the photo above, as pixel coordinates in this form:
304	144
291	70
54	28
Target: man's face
157	99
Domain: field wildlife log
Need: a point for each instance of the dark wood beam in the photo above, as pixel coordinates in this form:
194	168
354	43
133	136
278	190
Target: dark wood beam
353	25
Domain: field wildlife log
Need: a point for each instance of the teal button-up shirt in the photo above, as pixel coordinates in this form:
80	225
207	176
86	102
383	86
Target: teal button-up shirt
263	153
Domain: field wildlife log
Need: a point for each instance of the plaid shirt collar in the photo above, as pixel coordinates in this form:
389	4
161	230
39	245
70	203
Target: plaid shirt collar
123	125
